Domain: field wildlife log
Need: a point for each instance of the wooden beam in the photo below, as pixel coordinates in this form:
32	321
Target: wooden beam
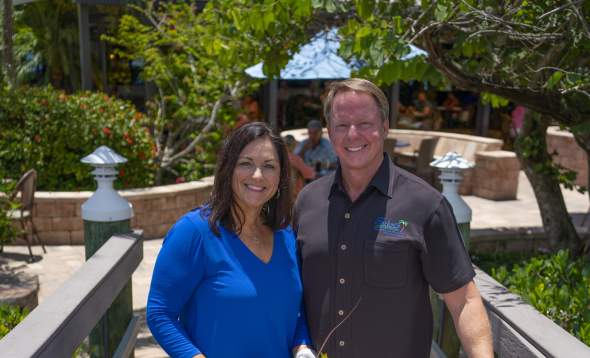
84	36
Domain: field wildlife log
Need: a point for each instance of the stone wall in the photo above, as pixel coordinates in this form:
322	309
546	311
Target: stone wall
58	216
569	154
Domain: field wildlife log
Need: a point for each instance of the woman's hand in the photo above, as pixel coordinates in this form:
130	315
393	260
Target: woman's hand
303	352
200	356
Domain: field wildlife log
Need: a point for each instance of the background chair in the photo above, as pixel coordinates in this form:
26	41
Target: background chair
423	157
26	186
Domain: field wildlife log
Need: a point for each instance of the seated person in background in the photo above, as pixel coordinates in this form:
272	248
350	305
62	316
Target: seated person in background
300	172
316	151
419	115
451	108
517	116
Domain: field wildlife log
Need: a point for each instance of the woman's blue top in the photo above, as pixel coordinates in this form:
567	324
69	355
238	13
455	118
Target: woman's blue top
212	295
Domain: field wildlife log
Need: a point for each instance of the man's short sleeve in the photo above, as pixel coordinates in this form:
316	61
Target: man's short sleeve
445	263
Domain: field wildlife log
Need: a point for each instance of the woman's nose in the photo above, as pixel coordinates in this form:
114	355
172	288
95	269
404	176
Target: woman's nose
257	173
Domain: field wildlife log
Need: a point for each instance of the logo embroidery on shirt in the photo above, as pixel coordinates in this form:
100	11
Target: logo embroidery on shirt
391	227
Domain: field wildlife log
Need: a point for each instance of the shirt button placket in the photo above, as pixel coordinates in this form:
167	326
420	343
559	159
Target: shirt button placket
342	289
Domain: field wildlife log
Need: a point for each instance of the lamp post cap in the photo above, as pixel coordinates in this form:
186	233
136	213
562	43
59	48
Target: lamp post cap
452	160
104	156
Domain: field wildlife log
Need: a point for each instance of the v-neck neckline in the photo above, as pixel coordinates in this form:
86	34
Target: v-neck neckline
253	255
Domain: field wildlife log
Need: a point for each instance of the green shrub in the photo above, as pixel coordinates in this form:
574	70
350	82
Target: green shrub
50	131
557	286
10	316
8	230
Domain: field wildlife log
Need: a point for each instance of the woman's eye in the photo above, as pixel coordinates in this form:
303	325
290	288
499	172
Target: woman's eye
269	166
244	164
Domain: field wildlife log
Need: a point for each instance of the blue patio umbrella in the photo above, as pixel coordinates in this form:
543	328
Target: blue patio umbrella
319	59
316	60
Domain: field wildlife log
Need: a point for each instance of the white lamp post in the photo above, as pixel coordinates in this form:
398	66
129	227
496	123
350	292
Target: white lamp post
451	165
105	205
107	213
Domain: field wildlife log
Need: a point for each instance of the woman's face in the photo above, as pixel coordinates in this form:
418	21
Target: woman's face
256	175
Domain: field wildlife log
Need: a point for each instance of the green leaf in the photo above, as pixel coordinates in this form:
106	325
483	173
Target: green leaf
365	8
553	80
389	72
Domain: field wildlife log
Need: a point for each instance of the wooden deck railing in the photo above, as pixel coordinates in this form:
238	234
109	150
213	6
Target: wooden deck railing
58	326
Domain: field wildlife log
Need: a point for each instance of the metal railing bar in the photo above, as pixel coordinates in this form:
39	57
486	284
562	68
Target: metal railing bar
127	344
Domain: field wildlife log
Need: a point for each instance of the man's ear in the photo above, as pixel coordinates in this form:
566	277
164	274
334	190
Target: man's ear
386	127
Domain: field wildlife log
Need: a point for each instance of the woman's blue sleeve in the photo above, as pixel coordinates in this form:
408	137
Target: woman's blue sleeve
179	268
301	331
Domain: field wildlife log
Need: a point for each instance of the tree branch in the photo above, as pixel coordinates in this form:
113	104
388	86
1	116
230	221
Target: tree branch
541	102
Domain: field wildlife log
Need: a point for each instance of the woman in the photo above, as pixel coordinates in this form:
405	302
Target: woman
226	282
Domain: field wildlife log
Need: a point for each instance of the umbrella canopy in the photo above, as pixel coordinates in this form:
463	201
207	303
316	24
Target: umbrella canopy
319	59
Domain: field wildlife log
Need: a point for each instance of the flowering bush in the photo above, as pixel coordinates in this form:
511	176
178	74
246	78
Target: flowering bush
50	131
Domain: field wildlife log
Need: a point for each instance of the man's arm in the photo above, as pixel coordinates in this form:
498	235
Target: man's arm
471	320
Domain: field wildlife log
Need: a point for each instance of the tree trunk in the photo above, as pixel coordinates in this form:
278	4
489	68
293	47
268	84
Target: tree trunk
531	148
7	32
583	140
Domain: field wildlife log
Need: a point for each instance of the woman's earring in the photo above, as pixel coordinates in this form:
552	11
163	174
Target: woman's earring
265	208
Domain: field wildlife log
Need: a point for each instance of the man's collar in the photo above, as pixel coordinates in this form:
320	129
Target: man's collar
380	180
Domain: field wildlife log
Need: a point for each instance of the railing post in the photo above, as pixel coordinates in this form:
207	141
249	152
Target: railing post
105	214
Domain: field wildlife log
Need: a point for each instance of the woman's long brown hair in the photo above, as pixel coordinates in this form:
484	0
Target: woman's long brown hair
277	213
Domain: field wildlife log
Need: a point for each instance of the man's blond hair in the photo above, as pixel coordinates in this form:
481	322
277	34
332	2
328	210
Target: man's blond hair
357	85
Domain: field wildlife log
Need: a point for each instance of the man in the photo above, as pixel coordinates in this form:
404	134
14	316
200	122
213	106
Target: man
317	151
373	238
419	114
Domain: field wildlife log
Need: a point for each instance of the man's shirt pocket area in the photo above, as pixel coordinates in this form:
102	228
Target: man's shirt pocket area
386	262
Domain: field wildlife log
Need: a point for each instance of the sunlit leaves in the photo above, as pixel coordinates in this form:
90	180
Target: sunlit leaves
554	80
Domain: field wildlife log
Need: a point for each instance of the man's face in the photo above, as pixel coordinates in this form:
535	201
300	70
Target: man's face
357	131
315	134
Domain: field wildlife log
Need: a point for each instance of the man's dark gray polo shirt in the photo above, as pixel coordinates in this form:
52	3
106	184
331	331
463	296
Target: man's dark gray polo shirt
383	250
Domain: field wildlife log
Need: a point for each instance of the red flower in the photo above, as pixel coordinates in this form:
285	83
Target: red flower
180	180
121	172
107	131
37	138
128	138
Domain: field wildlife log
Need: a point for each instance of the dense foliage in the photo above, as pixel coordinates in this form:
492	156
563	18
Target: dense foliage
50	131
556	285
196	59
8	231
10	316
